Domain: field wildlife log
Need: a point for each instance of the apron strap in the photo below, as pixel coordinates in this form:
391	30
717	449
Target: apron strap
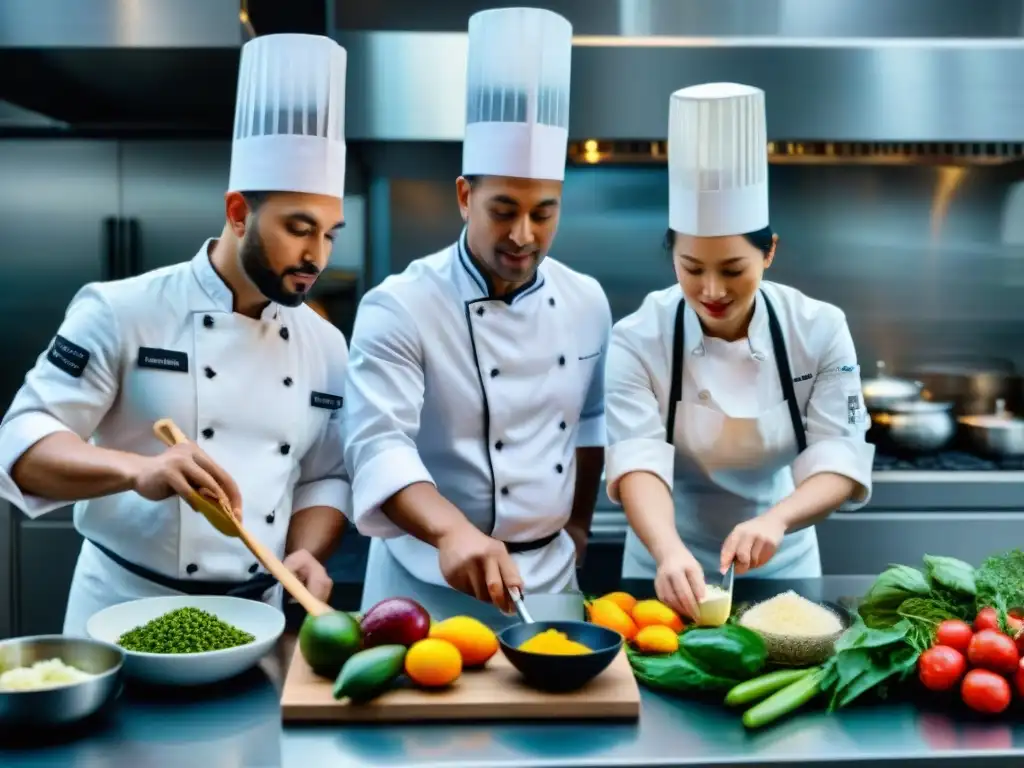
252	589
781	362
675	393
785	374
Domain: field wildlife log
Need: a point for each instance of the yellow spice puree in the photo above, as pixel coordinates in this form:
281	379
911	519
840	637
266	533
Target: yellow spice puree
553	643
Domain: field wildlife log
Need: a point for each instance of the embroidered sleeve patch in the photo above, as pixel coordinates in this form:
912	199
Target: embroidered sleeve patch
68	357
324	400
839	371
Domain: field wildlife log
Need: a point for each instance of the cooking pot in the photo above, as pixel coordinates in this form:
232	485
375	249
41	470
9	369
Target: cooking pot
917	426
883	391
973	384
995	434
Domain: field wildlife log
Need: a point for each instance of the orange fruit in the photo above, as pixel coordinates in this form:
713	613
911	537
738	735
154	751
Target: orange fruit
607	614
474	639
624	600
433	663
656	638
651	613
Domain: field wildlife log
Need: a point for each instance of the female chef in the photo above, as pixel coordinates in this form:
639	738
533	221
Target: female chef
734	409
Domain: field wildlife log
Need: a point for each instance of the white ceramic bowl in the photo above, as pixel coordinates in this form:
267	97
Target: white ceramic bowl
263	621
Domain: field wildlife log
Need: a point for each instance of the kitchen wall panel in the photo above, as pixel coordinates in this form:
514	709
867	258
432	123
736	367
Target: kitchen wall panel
926	261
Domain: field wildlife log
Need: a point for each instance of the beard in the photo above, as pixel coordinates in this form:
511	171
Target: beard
253	256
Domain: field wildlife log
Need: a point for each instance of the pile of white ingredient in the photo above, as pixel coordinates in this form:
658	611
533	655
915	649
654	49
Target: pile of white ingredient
791	615
51	673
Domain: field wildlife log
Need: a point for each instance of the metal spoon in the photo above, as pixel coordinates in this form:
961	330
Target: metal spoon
517	598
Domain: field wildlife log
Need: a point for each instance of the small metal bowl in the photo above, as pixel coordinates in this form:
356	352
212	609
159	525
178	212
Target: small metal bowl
801	650
64	704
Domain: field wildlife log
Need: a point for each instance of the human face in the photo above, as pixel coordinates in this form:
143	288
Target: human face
287	244
720	277
511	223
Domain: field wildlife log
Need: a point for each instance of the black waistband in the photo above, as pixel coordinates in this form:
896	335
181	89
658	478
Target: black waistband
529	546
252	589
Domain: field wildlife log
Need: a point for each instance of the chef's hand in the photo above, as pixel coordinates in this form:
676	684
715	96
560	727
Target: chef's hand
183	470
752	544
679	582
311	573
474	563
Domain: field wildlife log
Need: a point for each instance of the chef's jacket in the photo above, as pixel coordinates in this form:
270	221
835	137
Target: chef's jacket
740	383
487	398
261	396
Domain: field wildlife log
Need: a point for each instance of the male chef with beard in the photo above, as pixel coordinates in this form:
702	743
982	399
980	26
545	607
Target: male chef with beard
222	345
474	410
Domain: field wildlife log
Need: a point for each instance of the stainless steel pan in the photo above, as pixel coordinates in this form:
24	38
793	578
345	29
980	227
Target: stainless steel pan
884	391
974	384
996	434
919	426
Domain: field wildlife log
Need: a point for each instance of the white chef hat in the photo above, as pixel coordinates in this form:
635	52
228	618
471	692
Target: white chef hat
517	94
290	116
717	160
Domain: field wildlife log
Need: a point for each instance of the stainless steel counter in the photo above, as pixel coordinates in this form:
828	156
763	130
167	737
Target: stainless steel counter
239	725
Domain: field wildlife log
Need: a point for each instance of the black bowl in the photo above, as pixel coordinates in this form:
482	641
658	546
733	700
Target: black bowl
559	674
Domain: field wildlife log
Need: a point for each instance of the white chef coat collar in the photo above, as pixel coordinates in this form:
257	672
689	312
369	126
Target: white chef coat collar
477	283
215	287
758	334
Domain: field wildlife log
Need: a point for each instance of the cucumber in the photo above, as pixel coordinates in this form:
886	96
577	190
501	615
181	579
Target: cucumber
759	687
780	703
369	673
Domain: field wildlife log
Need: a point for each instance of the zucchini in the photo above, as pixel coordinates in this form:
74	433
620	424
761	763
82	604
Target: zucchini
757	688
783	702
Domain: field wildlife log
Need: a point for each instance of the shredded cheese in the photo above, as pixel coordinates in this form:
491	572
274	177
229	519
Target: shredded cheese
790	614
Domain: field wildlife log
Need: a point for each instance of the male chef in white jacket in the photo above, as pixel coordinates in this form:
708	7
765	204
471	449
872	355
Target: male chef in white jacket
475	407
223	346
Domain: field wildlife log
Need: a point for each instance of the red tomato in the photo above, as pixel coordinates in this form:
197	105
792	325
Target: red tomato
987	618
1018	678
940	668
954	633
985	691
994	651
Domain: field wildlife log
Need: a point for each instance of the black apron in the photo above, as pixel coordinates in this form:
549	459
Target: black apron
781	361
252	589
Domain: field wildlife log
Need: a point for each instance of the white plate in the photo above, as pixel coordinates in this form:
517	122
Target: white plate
263	621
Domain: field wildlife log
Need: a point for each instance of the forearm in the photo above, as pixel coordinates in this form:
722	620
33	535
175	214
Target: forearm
650	511
589	463
421	511
813	500
63	467
318	530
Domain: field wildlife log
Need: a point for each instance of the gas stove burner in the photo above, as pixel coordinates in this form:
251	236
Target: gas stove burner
951	461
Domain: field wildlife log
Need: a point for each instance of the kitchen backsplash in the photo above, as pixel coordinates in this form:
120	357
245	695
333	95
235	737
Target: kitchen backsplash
926	261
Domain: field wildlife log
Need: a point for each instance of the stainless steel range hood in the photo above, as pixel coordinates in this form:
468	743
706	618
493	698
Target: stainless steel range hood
100	64
823	85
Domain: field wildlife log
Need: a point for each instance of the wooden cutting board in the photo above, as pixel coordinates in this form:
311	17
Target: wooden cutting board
493	693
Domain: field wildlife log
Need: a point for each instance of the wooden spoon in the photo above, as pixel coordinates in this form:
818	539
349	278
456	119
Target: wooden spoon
223	519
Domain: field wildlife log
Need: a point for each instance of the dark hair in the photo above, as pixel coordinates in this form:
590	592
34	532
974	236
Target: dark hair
255	199
762	239
472	179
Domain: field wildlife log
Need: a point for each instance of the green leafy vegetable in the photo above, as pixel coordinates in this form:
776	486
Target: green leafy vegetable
950	573
185	630
676	672
867	658
730	650
1000	582
880	606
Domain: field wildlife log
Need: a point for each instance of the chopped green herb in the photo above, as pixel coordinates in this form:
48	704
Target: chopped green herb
185	630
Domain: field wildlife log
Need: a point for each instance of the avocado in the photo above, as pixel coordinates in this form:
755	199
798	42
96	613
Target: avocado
327	641
369	673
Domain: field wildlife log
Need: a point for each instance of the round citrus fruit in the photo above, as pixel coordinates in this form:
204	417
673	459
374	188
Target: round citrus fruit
624	600
433	663
650	613
607	614
474	639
